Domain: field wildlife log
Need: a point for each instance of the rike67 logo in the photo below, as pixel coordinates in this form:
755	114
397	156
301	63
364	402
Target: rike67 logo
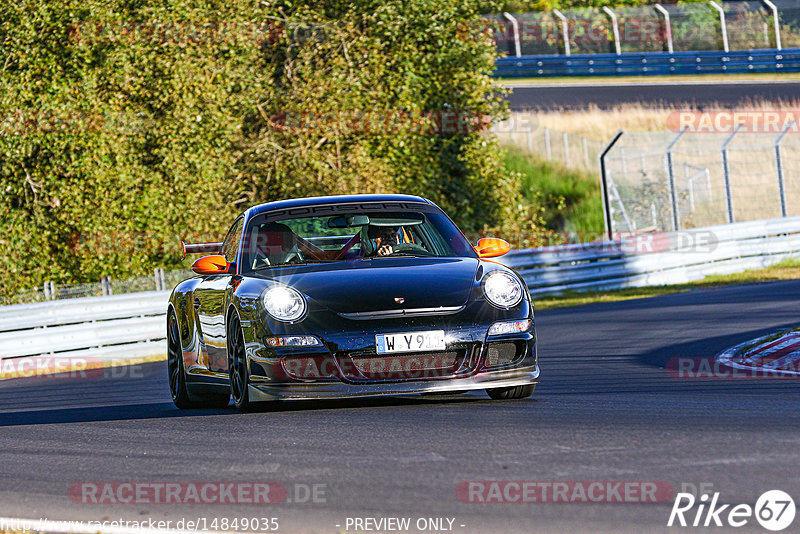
774	510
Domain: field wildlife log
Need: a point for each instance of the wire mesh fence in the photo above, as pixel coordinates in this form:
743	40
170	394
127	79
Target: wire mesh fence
674	180
666	181
683	27
160	280
789	22
522	130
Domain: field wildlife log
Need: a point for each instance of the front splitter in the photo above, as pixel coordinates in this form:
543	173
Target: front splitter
263	391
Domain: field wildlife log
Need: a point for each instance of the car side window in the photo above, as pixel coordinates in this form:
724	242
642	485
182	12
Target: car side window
231	244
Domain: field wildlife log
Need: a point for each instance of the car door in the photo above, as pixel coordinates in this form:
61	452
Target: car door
211	300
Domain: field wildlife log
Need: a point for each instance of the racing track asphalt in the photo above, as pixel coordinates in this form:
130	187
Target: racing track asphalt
605	410
605	93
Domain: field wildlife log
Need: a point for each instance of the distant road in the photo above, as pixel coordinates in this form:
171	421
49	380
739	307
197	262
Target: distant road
607	94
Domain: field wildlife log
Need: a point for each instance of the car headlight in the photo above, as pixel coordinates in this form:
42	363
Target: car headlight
284	303
502	289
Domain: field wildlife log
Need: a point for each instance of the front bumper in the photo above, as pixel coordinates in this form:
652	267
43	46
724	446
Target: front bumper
346	361
265	391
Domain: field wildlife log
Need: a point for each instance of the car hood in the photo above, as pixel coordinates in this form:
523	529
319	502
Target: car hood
374	285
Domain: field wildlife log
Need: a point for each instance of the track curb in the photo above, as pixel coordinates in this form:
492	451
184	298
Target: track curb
777	354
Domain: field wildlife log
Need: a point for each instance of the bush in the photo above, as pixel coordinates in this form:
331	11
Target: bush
119	137
568	200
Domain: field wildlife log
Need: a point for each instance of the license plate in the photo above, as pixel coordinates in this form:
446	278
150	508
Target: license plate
410	342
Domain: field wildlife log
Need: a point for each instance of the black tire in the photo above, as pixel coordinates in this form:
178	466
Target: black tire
238	372
177	374
514	392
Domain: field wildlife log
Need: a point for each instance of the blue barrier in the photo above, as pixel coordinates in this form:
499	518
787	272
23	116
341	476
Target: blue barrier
650	63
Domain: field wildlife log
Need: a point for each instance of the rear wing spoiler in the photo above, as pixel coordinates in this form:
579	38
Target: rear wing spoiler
200	248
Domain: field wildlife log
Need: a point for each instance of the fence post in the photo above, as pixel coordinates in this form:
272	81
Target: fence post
566	149
586	152
726	171
49	290
779	165
722	25
547	144
564	30
604	184
105	283
667	26
515	26
529	135
158	273
673	194
775	22
614	29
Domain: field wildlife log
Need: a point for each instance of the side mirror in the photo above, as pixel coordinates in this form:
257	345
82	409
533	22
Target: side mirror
212	265
491	247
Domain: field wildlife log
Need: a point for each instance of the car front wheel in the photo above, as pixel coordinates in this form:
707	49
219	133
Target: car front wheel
237	365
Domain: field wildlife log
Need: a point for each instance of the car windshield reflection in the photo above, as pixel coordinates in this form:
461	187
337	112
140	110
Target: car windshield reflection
349	237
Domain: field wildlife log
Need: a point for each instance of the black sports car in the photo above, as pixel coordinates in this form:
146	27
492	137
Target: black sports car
348	296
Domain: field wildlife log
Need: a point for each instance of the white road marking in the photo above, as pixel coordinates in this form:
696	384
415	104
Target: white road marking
654	83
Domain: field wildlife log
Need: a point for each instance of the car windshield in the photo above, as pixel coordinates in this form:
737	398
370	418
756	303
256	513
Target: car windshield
350	236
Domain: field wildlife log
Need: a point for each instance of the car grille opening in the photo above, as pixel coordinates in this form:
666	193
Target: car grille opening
310	367
413	366
500	354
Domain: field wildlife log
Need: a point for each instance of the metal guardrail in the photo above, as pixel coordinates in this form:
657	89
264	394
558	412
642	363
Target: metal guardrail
657	259
132	325
108	327
650	63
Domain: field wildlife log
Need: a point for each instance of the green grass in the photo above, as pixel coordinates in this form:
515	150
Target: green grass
786	270
570	199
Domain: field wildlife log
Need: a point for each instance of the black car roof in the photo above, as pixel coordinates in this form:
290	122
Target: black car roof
317	201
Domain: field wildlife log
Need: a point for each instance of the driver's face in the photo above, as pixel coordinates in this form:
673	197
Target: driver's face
387	238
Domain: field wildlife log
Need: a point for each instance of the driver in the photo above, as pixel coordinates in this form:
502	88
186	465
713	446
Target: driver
384	239
275	245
